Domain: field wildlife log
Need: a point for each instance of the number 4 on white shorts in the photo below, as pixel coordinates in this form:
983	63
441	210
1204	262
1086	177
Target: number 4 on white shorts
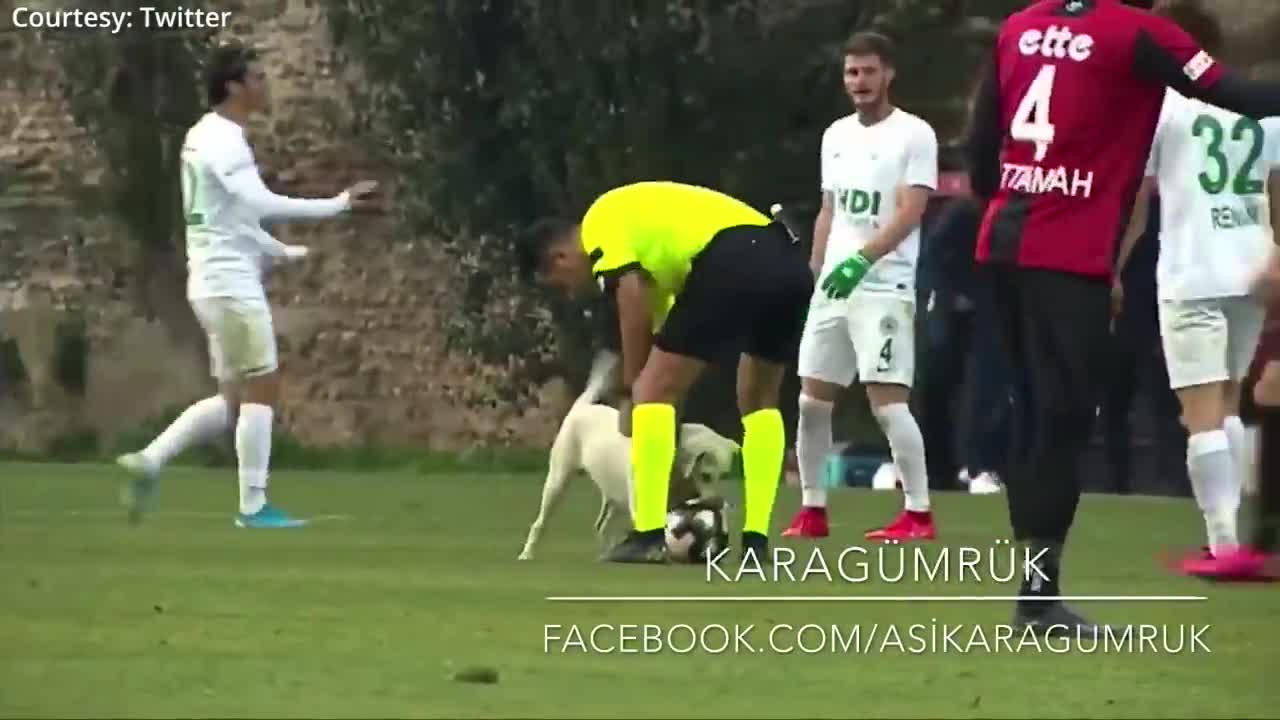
1031	121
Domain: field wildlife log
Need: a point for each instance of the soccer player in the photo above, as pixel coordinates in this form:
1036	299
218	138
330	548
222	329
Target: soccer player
1062	127
1212	167
706	272
1260	407
224	202
878	167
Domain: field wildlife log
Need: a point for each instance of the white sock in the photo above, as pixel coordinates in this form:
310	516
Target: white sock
198	424
253	448
813	446
1243	447
907	444
1216	485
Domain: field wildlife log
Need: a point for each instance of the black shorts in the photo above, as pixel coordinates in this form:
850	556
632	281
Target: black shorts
748	289
1054	326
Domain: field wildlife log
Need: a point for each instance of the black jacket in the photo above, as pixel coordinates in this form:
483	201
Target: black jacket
947	246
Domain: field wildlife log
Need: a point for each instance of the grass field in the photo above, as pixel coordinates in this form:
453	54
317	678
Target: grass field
408	579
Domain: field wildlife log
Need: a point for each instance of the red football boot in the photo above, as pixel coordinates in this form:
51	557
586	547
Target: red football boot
810	522
1238	565
908	526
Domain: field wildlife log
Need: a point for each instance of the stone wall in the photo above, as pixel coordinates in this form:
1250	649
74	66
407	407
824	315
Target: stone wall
360	323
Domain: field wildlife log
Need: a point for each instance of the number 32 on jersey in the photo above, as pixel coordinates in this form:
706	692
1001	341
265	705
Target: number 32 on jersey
1031	120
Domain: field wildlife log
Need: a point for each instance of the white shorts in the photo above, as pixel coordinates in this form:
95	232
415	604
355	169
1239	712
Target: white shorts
869	337
1210	340
242	341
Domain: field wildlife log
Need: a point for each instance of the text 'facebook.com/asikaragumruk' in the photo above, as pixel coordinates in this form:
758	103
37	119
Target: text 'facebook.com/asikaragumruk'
870	639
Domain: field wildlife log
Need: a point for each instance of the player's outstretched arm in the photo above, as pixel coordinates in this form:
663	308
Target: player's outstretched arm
1167	55
248	188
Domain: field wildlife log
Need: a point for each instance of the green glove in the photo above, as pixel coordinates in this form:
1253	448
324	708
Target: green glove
843	278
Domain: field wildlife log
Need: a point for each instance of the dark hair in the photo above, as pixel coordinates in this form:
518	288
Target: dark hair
229	63
1200	24
871	43
536	241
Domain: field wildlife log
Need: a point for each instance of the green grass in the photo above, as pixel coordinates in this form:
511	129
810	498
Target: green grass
86	445
372	613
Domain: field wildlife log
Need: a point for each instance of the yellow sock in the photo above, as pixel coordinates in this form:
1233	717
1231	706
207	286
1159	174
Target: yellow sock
653	452
763	444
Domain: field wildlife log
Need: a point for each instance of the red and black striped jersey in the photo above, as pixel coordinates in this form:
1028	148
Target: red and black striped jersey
1064	121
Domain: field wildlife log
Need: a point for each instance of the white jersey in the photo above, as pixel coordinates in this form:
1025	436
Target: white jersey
224	202
864	168
1211	168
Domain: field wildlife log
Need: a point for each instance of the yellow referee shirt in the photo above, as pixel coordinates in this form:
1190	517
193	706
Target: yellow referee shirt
658	227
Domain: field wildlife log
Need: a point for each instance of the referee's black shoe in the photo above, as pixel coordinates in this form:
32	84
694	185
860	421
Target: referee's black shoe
755	549
1054	619
648	547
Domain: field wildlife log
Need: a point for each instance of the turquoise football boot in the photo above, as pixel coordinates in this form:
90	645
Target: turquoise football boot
139	495
268	518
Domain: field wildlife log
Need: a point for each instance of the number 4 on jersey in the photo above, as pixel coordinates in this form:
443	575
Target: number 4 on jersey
1031	121
886	356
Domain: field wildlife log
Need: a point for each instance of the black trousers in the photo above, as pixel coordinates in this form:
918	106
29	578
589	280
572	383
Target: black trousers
1136	368
1054	329
948	337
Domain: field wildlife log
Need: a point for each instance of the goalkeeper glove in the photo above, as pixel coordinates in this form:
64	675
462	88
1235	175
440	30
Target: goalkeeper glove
843	278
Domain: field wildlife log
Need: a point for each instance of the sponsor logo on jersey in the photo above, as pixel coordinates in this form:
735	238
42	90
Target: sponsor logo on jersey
1056	42
858	202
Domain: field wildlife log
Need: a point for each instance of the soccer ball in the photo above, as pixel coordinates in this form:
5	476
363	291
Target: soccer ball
695	531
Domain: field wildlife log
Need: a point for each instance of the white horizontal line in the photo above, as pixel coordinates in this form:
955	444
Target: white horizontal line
865	598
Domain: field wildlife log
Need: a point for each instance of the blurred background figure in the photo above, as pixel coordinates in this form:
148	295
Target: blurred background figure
989	413
965	399
1136	367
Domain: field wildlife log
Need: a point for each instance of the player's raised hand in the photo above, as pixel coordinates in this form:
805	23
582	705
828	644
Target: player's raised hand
362	195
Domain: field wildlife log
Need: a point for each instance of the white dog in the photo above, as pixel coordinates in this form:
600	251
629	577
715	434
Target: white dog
589	441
